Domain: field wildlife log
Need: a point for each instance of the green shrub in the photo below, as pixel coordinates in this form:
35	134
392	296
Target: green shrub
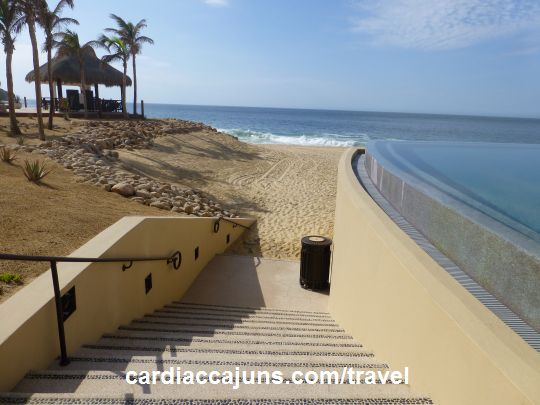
20	140
7	155
11	278
35	171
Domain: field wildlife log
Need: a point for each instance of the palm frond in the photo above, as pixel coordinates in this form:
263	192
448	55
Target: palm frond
140	25
144	40
62	4
122	24
61	22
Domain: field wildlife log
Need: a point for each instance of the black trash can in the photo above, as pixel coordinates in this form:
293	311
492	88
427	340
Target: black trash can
315	263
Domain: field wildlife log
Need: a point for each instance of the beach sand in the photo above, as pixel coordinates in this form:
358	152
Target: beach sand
291	190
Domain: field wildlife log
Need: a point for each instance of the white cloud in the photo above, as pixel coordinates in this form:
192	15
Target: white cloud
217	3
443	24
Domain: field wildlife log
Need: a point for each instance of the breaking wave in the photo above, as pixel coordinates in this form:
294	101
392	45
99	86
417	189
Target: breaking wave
256	137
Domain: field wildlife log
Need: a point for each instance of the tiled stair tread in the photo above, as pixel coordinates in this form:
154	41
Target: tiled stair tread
235	325
67	399
210	337
188	359
195	340
211	353
255	310
247	320
241	315
94	361
163	329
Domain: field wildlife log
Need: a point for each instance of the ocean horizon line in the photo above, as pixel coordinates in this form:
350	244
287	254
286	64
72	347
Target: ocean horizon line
480	115
439	114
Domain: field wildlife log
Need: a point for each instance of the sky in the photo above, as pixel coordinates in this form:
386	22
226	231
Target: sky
477	57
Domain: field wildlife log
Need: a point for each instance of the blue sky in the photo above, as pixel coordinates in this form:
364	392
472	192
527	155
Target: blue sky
435	56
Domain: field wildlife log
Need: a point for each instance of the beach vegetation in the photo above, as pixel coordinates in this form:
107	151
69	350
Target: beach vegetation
51	21
35	170
68	44
7	155
11	24
130	34
11	278
118	51
20	140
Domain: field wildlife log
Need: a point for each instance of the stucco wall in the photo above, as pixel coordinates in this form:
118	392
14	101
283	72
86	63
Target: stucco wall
106	296
391	296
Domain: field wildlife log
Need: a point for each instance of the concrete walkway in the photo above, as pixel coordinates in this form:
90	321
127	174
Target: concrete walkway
254	282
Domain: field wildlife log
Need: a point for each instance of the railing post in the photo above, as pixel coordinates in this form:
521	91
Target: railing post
25	103
142	108
64	361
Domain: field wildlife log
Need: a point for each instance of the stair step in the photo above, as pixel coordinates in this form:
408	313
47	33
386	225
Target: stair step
113	384
203	337
242	319
68	399
199	331
232	308
150	347
245	313
233	326
118	361
194	341
238	356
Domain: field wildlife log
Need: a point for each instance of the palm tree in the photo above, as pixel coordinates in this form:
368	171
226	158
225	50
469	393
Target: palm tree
130	34
51	22
69	45
118	51
11	24
30	8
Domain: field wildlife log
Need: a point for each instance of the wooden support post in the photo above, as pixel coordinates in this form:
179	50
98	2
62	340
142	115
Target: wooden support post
142	108
25	103
59	88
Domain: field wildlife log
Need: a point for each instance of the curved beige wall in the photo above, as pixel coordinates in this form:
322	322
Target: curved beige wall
391	296
106	296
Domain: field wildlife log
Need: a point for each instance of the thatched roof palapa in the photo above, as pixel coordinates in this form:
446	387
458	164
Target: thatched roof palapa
66	69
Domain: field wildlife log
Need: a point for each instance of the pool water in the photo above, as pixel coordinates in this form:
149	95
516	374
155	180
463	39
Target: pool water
500	180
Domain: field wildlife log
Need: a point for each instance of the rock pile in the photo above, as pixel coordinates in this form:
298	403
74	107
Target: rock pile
92	156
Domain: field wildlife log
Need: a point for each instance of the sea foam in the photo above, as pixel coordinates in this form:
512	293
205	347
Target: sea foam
303	140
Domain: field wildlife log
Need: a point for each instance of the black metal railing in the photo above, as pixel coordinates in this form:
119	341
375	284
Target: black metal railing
175	260
234	224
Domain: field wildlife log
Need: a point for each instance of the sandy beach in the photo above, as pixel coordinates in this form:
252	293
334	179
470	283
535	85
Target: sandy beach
289	189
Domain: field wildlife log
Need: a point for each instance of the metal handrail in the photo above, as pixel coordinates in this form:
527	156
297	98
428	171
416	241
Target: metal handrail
175	260
235	224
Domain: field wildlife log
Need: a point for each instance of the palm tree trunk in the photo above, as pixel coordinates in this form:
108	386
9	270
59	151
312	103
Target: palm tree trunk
52	105
83	88
15	130
37	81
124	106
134	86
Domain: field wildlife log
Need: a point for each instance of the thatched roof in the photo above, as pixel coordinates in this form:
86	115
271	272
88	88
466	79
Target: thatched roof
66	68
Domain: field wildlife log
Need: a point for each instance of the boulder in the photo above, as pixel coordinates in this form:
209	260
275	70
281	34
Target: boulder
124	189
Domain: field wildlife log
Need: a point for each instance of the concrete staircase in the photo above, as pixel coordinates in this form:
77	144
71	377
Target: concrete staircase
213	337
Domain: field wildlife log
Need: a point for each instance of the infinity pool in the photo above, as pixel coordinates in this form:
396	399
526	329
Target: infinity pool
500	180
477	203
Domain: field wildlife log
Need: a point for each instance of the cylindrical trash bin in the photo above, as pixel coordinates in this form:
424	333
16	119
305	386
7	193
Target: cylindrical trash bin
315	262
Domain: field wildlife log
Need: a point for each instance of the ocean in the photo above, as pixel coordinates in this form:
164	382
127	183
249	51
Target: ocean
349	128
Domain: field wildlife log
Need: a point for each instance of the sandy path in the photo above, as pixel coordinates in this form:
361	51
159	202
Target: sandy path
290	190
